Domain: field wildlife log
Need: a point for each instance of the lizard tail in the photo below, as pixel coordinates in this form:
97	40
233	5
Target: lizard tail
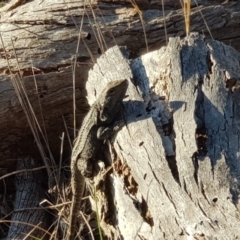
78	186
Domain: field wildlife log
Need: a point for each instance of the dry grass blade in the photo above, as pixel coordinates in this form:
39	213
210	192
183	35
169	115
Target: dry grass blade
32	231
20	171
97	31
74	71
164	20
205	22
28	224
134	4
187	13
89	227
43	122
105	25
29	112
66	129
97	214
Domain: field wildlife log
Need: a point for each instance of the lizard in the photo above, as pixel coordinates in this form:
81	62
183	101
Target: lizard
98	125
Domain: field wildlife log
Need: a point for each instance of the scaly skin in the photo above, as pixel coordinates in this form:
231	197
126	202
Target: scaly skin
97	125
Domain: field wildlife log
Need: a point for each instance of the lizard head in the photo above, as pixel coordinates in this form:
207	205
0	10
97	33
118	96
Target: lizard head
111	99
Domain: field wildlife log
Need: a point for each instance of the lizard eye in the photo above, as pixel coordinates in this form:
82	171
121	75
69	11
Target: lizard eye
111	91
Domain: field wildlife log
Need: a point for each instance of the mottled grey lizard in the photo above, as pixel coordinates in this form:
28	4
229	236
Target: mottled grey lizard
99	124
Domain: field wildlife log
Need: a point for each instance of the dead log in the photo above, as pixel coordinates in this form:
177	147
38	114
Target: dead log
29	219
177	170
45	40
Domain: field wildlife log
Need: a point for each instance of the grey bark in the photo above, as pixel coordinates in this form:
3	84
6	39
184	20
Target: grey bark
152	198
29	219
43	36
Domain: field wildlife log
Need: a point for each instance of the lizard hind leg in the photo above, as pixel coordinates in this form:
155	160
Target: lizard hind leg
85	166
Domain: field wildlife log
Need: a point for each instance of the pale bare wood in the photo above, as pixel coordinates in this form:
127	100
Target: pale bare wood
202	201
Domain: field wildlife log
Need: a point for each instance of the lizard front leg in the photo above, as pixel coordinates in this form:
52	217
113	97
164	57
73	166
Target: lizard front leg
104	133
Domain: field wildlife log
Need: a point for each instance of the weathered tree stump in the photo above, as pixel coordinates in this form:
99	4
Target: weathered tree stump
179	171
